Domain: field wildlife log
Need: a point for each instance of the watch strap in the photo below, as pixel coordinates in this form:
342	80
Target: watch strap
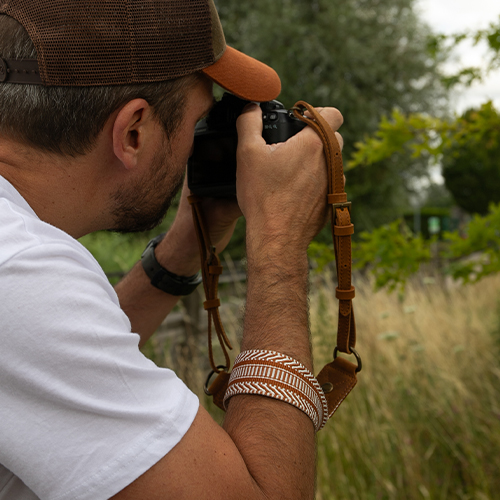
162	279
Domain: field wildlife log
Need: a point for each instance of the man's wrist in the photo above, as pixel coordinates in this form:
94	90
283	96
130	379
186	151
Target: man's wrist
179	252
273	255
163	279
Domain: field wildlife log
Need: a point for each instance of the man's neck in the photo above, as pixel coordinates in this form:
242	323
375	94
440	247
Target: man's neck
54	186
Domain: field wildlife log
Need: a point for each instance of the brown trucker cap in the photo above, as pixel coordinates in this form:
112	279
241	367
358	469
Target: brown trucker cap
117	42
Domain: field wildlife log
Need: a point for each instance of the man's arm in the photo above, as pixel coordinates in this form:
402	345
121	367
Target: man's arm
145	305
266	448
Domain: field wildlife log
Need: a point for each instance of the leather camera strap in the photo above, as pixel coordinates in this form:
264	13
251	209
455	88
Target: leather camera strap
338	377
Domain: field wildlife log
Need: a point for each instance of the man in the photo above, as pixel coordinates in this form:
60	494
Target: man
98	104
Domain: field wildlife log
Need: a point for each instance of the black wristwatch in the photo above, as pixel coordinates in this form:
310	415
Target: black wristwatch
165	280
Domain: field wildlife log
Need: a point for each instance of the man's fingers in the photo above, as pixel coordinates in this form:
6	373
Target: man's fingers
332	115
340	139
249	124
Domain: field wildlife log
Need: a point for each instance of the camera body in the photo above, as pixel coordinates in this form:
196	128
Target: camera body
212	166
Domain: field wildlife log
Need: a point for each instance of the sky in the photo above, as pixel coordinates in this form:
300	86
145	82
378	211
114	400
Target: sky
451	16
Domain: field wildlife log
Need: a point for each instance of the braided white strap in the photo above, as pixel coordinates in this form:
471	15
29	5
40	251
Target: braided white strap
275	375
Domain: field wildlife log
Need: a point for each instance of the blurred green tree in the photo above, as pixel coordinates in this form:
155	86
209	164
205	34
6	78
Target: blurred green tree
471	161
365	57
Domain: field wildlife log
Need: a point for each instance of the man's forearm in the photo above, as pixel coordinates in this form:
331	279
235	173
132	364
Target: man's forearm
266	449
276	314
274	437
145	305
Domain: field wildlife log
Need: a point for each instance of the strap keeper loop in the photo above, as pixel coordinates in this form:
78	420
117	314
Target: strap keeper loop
343	230
337	198
345	294
211	304
215	270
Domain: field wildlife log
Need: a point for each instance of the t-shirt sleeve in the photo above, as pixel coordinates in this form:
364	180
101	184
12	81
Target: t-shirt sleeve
83	411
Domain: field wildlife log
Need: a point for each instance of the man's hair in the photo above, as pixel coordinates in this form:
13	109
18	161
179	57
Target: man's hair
67	120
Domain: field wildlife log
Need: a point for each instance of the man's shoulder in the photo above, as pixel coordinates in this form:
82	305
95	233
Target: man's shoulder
24	235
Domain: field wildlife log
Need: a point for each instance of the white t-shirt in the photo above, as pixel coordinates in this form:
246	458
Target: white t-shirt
82	412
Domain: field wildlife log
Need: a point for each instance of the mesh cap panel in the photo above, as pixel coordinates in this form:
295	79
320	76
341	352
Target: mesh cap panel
106	42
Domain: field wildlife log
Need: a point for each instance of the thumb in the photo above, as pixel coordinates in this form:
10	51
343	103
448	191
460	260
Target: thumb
249	124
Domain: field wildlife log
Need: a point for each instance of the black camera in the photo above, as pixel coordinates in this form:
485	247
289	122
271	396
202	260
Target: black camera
212	166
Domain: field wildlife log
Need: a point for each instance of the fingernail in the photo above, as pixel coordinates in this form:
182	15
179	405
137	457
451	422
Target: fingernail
250	107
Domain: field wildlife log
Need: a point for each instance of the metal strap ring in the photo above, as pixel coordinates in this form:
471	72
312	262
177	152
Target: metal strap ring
353	351
212	372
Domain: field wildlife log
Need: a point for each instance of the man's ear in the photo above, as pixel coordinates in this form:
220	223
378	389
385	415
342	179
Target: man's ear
130	130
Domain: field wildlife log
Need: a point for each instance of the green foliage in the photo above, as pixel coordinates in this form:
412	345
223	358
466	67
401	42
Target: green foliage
117	252
365	57
321	255
392	254
481	245
470	160
491	36
468	148
414	133
443	45
465	77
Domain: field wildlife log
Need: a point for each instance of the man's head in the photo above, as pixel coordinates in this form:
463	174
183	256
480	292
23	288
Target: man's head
79	54
66	120
143	195
69	67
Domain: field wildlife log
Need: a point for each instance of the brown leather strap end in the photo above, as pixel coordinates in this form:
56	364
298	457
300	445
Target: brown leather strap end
345	309
337	379
218	389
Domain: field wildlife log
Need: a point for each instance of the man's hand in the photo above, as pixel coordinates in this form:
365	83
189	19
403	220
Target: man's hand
282	187
179	249
147	306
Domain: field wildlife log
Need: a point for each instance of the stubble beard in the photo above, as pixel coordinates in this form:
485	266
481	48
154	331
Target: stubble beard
143	206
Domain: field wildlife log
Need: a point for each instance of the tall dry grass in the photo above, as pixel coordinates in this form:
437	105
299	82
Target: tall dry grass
424	420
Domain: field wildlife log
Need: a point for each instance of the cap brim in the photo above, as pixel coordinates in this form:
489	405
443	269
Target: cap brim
244	76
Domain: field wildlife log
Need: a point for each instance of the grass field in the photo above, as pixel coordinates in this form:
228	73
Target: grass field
424	420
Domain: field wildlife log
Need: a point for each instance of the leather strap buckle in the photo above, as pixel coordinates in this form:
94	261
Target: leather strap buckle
345	204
